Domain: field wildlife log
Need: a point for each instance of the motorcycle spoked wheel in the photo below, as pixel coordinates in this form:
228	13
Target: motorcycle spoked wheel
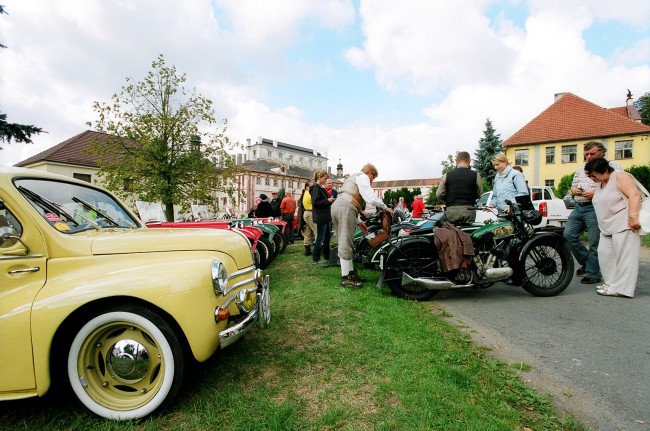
548	268
417	260
362	252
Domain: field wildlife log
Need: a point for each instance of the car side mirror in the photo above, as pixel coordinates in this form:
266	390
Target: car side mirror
9	237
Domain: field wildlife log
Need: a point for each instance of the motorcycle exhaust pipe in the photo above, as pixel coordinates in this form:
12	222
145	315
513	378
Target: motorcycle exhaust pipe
431	283
498	273
446	284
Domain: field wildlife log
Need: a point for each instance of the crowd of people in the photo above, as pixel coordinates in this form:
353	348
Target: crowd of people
607	208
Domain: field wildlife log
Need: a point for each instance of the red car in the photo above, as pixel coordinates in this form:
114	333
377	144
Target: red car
261	253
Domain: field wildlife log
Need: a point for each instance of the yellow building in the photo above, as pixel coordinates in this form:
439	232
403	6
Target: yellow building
550	146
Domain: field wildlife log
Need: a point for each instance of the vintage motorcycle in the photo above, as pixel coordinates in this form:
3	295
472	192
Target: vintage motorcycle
509	250
380	226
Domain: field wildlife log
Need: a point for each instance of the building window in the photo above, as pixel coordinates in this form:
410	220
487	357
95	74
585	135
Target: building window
549	183
267	181
521	157
275	182
258	180
269	153
569	153
82	177
622	150
550	155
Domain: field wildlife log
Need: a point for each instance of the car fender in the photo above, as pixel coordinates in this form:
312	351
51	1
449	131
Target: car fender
182	288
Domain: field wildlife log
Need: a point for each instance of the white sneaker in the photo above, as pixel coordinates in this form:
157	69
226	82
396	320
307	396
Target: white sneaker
602	287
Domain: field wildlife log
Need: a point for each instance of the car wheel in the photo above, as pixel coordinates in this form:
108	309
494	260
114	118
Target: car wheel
125	363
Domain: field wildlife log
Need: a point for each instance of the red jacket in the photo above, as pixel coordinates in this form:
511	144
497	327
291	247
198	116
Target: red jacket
418	208
288	205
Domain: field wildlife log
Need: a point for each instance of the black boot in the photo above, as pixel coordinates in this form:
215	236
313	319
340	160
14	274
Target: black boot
349	282
307	250
356	277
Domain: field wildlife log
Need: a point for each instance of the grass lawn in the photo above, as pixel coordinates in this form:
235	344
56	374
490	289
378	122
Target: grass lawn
332	359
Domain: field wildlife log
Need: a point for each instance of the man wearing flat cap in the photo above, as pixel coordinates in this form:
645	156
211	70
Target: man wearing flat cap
264	207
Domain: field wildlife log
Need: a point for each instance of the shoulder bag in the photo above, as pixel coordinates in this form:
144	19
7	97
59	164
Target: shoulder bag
644	210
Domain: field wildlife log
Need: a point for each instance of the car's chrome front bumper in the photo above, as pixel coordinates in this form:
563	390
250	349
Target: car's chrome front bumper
261	315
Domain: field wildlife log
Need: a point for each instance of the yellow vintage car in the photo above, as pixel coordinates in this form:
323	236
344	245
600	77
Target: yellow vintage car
91	297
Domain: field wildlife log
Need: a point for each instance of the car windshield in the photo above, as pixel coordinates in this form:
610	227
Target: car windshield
483	200
72	208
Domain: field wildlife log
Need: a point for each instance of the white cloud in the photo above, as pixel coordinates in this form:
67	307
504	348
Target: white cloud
423	47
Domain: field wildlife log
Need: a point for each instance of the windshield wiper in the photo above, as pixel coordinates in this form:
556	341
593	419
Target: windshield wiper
100	212
47	204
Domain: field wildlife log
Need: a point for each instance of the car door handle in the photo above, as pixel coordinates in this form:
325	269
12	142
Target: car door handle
19	271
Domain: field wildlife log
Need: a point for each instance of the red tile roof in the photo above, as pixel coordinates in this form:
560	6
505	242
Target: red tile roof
573	118
70	152
628	111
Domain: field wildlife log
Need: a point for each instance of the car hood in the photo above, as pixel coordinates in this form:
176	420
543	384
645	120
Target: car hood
161	240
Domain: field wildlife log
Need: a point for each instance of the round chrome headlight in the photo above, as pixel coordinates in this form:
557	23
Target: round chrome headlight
219	277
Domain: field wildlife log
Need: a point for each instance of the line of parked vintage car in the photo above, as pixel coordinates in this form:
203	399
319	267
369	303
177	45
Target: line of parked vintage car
95	302
114	310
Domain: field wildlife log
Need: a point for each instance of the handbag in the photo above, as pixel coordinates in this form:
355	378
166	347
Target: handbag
644	210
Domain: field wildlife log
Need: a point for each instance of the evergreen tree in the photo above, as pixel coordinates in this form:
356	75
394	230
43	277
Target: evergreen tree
489	145
16	132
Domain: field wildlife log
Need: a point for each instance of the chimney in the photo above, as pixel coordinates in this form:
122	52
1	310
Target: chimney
248	142
558	96
630	99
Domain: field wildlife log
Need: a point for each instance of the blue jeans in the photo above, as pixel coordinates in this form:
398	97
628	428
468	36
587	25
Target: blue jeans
322	244
584	218
289	219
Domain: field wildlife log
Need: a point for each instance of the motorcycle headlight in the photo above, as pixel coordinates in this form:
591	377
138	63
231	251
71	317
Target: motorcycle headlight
219	277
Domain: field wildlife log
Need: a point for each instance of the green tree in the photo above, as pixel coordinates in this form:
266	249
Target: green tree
489	145
642	174
14	131
564	186
433	199
392	196
160	143
449	164
643	106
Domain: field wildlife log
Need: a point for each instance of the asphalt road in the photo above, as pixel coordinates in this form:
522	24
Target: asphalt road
589	352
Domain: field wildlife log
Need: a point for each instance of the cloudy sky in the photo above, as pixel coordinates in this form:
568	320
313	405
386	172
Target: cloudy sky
402	84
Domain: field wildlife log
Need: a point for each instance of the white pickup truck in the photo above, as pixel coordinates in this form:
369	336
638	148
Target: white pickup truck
555	211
